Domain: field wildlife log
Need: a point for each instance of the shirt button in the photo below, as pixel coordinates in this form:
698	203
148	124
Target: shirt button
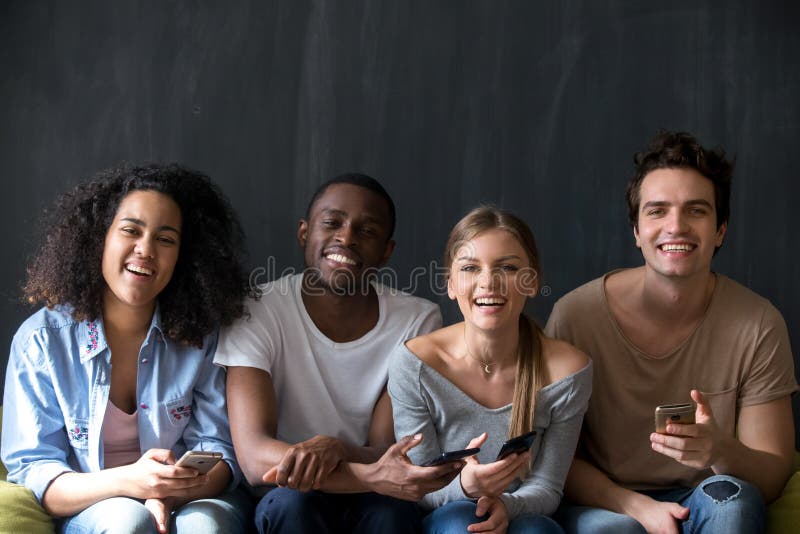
144	360
143	406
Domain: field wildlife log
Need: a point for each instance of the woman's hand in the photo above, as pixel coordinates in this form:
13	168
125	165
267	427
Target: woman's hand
490	480
154	476
497	523
161	510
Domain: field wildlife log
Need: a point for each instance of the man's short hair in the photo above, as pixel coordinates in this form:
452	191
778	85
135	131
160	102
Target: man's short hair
681	150
361	180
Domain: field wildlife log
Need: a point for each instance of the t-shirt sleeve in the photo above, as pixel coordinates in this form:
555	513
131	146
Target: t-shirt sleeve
542	489
250	341
771	374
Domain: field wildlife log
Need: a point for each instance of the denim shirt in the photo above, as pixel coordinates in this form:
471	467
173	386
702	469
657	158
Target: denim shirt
57	385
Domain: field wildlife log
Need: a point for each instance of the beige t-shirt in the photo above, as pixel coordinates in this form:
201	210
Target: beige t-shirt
739	355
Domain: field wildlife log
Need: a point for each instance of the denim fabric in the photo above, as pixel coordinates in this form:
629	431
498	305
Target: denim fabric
455	516
284	510
57	386
228	513
720	503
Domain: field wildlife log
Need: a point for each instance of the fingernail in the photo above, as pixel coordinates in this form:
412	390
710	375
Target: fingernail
417	436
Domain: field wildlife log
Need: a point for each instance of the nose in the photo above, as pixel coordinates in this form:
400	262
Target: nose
144	248
676	222
345	235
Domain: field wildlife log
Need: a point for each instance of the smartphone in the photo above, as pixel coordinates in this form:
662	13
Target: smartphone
202	461
682	414
518	444
450	456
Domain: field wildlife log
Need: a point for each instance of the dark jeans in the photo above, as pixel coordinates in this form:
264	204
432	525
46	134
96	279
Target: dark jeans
285	510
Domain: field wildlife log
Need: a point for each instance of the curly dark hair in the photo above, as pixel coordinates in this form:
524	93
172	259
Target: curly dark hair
669	150
208	285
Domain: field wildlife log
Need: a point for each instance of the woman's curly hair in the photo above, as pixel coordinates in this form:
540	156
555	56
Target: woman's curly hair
208	285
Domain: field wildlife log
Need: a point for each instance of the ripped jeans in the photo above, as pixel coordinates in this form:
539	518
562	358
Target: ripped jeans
720	503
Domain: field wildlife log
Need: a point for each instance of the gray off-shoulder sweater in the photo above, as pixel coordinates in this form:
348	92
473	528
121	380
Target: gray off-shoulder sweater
425	402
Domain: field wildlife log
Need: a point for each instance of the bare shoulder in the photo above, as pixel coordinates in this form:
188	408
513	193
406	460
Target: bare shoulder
432	348
561	359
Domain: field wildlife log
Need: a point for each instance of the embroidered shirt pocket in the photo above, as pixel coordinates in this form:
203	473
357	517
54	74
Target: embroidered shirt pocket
78	432
179	411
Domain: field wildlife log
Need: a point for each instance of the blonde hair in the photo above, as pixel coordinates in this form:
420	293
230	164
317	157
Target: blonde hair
528	380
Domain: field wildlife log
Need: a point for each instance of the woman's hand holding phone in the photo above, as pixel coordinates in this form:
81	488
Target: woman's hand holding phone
490	480
154	475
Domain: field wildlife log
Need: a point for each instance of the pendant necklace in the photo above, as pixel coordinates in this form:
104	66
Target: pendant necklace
487	366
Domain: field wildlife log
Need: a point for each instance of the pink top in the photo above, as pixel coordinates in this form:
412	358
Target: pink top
120	437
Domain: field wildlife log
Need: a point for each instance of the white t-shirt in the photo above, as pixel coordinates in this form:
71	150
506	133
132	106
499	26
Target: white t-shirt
322	387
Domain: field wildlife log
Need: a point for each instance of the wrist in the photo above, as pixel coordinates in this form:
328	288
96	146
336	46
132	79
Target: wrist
366	475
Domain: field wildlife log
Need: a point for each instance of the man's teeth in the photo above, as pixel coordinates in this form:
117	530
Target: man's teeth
139	270
489	301
340	259
676	248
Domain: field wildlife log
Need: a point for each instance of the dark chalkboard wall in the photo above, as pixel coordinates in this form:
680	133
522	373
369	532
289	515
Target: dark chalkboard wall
536	106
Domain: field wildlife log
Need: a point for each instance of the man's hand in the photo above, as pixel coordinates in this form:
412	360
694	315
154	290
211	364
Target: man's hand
394	474
154	476
697	445
497	523
490	480
658	517
306	465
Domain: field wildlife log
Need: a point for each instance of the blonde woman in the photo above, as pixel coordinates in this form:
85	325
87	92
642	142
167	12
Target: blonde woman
489	378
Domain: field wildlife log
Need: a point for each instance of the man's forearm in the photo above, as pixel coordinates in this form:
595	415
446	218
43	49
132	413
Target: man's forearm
586	485
769	472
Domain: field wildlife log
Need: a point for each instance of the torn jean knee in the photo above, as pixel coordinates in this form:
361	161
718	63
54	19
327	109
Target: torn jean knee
721	491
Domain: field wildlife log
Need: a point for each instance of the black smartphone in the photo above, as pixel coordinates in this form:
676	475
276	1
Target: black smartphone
450	456
518	444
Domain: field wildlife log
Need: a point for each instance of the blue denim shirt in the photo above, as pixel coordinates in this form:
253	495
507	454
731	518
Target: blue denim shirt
57	386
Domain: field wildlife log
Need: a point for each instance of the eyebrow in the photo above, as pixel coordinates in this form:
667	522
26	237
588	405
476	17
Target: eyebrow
341	213
140	222
693	202
498	260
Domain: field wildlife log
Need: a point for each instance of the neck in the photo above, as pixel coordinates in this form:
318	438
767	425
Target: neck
492	348
676	299
121	319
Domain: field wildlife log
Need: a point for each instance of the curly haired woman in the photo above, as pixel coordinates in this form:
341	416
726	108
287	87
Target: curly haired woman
113	379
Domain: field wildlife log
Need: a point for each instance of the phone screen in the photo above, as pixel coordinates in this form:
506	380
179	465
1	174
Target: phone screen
517	444
451	456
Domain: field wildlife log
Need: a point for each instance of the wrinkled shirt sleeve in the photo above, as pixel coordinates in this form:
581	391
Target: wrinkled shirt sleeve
38	455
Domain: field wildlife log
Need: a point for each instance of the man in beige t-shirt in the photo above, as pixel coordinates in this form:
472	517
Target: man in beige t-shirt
672	331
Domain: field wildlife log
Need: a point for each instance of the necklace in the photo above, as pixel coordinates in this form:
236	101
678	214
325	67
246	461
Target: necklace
487	366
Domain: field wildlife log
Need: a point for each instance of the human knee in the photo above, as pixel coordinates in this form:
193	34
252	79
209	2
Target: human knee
284	506
727	504
231	514
379	513
118	515
722	489
580	519
453	517
541	524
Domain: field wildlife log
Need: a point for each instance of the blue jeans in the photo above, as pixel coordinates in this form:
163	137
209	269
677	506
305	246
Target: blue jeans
455	516
720	503
292	511
229	512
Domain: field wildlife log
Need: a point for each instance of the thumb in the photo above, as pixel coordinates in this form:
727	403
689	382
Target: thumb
679	512
482	507
703	412
407	443
164	456
477	441
159	513
271	476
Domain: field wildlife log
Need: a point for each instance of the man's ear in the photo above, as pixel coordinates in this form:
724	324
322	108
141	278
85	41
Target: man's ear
302	233
636	235
721	231
387	252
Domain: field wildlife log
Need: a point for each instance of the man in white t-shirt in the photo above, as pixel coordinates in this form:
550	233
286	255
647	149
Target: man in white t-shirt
307	373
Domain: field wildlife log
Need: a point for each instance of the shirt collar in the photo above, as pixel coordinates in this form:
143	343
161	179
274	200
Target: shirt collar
92	336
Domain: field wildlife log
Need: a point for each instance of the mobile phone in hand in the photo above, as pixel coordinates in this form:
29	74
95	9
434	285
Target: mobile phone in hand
682	414
451	456
517	444
202	461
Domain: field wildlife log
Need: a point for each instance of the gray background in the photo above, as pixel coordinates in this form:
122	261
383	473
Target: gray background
536	106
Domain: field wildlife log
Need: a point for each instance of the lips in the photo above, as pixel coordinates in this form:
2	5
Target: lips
139	270
343	257
677	247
